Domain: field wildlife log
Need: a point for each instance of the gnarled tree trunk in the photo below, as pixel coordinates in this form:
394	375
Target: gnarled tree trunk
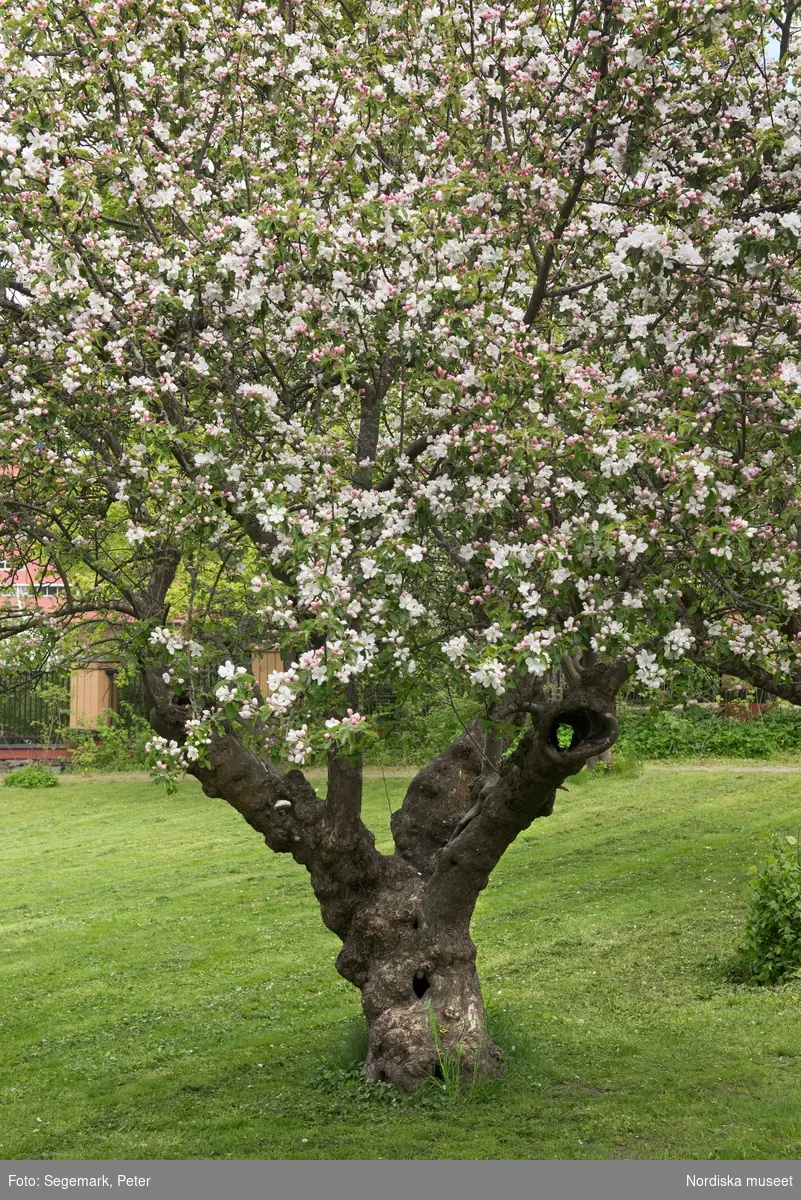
404	919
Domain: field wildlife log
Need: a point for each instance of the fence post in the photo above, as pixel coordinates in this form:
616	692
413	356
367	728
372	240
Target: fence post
93	694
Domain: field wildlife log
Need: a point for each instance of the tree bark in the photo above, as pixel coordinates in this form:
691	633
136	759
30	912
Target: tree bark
404	919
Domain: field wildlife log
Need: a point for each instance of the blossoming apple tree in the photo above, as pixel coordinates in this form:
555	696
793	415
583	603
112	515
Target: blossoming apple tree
422	339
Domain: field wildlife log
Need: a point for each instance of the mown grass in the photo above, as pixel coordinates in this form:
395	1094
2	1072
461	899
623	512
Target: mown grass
168	988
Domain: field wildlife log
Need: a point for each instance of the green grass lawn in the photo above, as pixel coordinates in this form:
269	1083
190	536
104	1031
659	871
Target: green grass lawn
168	988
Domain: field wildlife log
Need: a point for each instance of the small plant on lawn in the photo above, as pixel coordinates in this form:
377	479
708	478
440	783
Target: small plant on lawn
31	777
342	1074
450	1065
626	765
451	1068
771	950
351	1050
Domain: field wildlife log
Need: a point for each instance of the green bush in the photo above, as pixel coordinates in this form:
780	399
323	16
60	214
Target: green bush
771	948
111	747
703	733
415	729
31	777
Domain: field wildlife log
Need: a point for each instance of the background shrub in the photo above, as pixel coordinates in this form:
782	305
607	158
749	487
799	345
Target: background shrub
31	777
414	728
699	732
771	948
114	747
419	727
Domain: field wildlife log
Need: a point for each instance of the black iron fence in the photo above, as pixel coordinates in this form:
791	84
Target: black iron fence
35	710
132	701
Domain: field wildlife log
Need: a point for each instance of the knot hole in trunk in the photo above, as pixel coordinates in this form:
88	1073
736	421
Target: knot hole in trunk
576	728
420	984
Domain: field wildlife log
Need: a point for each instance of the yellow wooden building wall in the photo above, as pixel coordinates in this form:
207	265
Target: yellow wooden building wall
93	695
263	666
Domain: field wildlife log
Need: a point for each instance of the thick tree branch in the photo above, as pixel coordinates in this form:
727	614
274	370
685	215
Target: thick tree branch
326	836
438	796
371	395
785	23
343	802
525	789
766	681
